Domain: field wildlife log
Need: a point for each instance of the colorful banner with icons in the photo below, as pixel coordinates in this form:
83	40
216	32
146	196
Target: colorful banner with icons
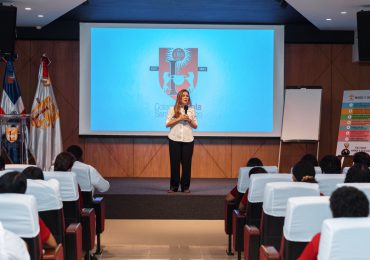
354	127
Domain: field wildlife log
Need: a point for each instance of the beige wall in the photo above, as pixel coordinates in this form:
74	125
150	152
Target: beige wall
329	66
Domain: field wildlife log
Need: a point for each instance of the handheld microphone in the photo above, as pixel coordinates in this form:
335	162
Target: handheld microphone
186	107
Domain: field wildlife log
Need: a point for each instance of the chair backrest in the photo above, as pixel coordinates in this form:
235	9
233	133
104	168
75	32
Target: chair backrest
345	170
259	181
83	176
304	218
364	187
276	195
3	172
243	176
67	184
328	182
345	238
17	167
18	214
47	194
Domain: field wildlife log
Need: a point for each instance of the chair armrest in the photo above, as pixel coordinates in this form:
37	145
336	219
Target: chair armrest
54	253
88	220
74	241
268	253
238	223
99	207
228	216
251	242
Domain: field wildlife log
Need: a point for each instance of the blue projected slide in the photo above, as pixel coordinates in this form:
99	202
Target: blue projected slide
133	75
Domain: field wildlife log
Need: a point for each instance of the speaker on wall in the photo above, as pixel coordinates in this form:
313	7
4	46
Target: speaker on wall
363	34
8	20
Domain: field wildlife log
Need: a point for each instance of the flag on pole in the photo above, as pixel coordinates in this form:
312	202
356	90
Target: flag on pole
45	136
12	104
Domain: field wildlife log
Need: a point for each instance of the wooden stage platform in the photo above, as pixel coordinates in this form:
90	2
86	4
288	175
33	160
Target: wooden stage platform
147	198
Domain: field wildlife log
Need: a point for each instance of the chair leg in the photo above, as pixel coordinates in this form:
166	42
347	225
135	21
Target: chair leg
98	248
229	250
239	255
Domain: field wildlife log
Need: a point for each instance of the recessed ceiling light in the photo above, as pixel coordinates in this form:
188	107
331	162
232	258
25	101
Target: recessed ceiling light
343	12
40	16
28	8
38	27
328	19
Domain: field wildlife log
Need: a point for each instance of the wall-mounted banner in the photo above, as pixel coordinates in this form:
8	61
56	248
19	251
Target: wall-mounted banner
354	126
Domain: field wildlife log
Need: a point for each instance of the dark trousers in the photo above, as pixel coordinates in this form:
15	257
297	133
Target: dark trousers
180	153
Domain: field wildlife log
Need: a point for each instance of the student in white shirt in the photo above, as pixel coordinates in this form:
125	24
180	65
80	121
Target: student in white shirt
12	247
97	181
181	118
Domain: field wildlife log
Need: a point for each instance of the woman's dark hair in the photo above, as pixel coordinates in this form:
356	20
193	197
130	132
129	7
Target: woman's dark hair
13	182
358	173
361	158
304	171
309	157
257	169
330	164
254	161
76	151
348	201
34	173
64	162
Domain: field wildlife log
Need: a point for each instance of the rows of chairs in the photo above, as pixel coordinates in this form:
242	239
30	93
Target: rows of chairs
247	229
57	201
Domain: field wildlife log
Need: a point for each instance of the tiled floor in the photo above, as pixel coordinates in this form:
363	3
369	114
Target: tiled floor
164	239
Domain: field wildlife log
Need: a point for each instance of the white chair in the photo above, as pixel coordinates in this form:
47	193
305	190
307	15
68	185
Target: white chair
328	182
18	214
17	167
345	238
67	184
303	220
243	176
364	187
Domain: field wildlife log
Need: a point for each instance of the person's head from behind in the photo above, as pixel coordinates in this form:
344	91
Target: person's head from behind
304	171
358	173
254	161
330	164
64	162
256	170
361	158
310	158
348	201
76	151
33	173
13	182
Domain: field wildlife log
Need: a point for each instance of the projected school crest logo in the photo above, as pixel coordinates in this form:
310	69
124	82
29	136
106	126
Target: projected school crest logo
178	69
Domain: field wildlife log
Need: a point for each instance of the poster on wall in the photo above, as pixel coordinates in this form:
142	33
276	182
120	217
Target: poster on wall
354	126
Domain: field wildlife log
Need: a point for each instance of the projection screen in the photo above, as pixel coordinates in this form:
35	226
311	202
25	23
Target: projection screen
130	74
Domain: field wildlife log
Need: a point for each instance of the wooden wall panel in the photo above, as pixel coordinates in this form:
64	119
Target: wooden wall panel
329	66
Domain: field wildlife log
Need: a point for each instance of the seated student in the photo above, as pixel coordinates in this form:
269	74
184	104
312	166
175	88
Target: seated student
2	163
252	162
244	199
361	158
310	158
304	171
330	164
344	202
358	173
15	182
97	181
33	173
64	162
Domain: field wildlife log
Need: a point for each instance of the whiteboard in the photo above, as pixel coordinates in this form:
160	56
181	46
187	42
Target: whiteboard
301	118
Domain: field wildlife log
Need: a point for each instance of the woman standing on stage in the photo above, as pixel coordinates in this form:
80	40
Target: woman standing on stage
181	119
